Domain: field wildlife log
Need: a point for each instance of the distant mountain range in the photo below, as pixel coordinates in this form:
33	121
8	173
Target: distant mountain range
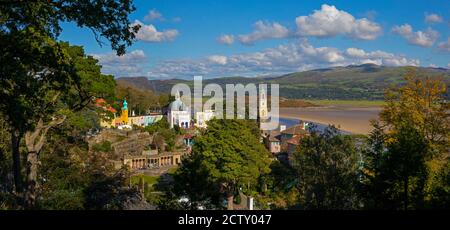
354	82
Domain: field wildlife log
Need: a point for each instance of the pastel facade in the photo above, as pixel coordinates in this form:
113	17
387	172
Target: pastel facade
179	113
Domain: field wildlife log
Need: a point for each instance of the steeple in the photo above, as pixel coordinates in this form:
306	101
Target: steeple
177	95
263	115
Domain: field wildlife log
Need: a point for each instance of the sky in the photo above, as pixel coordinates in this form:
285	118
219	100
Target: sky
221	38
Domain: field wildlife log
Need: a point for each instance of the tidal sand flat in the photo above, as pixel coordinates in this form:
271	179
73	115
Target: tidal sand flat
349	118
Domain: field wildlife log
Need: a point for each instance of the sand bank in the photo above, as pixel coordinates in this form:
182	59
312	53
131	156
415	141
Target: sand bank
348	118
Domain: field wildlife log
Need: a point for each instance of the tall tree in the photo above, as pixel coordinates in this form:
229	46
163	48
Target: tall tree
410	147
326	165
422	104
37	72
227	157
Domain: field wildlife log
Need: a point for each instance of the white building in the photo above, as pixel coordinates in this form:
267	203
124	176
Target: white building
179	113
202	117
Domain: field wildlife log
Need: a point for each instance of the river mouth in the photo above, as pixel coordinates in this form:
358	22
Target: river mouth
351	119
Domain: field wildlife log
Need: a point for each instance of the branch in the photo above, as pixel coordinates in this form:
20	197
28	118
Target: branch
30	137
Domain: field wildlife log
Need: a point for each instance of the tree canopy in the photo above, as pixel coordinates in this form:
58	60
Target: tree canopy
226	158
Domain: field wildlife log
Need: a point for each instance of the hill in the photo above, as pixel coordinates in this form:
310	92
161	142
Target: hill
361	82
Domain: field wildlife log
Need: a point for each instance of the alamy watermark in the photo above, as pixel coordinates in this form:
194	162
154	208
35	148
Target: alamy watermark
256	108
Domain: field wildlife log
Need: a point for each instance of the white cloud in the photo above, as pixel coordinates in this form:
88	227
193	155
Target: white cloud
419	38
330	22
379	57
445	46
218	59
226	39
433	18
264	30
149	33
129	64
153	15
296	56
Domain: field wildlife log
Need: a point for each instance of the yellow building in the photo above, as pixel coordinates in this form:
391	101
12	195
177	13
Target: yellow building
124	115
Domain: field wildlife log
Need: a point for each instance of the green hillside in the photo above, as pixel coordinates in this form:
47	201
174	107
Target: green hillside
363	82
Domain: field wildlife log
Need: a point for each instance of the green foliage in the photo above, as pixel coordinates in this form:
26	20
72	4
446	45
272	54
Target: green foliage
440	193
139	100
157	126
104	146
164	136
406	166
150	180
326	166
225	158
110	19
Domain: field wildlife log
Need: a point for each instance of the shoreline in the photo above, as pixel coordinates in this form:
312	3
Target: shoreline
355	120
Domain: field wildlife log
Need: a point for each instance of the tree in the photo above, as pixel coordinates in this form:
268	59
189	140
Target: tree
107	18
139	100
38	73
225	158
409	148
420	103
326	166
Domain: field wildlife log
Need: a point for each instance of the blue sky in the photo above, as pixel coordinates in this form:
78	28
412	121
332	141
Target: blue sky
179	39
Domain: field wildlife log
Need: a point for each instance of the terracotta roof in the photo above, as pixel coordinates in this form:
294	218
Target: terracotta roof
294	141
295	130
99	102
111	109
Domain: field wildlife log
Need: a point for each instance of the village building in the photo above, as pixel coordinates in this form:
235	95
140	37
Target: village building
179	113
137	151
273	143
124	121
285	140
202	117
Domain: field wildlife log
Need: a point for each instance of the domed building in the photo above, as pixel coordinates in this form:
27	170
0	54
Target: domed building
179	113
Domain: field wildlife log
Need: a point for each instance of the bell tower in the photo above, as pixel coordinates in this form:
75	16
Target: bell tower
262	112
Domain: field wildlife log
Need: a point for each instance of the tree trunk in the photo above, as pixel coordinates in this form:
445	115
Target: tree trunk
15	144
230	199
406	193
34	140
32	168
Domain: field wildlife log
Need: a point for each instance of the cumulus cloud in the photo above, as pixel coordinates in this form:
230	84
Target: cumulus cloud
149	33
379	57
218	59
433	18
445	46
296	56
226	39
330	22
130	64
264	30
153	15
418	38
